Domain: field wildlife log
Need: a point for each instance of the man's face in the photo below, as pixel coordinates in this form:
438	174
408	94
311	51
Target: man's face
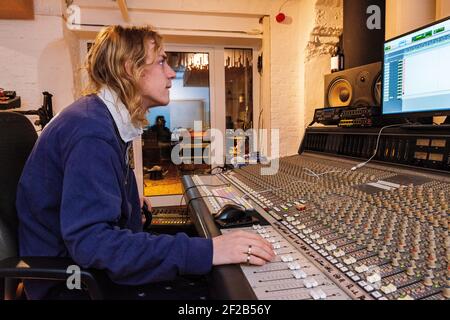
156	79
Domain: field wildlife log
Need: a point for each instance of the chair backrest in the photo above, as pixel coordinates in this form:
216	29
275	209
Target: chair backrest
17	138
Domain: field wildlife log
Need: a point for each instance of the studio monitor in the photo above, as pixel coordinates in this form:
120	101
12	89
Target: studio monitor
355	87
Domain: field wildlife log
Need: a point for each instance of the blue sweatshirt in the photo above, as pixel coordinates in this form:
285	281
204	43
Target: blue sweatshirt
78	198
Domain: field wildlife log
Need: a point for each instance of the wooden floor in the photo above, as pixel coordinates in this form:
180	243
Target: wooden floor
170	185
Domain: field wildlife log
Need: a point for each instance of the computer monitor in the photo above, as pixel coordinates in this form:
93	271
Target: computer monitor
416	73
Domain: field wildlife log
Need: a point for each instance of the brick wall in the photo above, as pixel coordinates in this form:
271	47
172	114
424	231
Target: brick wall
328	25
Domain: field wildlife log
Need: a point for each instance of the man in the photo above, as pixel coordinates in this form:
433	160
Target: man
78	197
163	133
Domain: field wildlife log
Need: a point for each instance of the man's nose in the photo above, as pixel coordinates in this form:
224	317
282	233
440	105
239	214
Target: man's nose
170	73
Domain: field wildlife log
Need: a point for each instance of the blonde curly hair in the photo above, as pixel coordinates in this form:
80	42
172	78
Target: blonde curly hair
114	47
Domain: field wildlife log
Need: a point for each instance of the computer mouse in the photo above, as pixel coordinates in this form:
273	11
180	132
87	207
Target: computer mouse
231	213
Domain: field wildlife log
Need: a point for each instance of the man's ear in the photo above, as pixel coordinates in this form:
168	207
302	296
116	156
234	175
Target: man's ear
129	68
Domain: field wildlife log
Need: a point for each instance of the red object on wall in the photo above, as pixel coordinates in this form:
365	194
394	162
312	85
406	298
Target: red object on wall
280	17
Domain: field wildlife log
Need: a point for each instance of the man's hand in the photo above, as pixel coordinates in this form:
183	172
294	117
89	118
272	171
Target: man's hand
242	247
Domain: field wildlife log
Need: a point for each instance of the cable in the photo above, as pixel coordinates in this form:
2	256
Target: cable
359	166
281	7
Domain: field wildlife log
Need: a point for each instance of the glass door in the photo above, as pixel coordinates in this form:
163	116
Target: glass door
238	65
188	117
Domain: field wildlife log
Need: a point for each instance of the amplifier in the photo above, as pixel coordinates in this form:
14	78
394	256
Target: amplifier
363	116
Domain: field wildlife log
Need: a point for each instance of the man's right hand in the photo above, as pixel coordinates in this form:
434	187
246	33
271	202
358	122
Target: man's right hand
234	248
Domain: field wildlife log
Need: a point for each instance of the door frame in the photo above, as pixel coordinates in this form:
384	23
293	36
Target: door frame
217	103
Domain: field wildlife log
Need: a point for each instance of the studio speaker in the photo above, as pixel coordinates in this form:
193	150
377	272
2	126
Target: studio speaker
355	87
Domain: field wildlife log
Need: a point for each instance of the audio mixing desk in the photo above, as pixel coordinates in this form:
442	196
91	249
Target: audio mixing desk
380	232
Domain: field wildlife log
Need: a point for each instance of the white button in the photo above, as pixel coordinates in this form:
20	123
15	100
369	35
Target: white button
294	266
314	294
310	283
339	253
307	284
287	258
322	294
376	294
374	278
298	274
315	236
350	260
361	269
368	288
391	288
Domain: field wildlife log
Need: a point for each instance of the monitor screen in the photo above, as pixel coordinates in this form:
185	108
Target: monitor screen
416	72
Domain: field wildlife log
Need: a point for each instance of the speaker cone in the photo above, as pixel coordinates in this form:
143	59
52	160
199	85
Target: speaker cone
340	93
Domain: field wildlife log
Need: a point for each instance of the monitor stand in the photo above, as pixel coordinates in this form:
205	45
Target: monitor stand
427	120
447	121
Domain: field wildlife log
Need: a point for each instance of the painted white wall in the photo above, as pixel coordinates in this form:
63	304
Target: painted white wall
328	25
35	57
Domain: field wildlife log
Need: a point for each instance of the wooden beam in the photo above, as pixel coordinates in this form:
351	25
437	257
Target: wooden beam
442	9
17	9
124	10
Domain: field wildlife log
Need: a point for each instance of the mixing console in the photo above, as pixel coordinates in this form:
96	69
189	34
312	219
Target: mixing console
374	233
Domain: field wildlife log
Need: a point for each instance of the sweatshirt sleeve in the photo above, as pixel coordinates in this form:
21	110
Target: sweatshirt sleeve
90	210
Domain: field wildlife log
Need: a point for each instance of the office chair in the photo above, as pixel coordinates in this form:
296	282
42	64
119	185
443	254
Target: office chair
17	138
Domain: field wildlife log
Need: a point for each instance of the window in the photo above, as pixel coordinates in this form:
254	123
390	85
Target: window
200	92
189	103
239	88
239	100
